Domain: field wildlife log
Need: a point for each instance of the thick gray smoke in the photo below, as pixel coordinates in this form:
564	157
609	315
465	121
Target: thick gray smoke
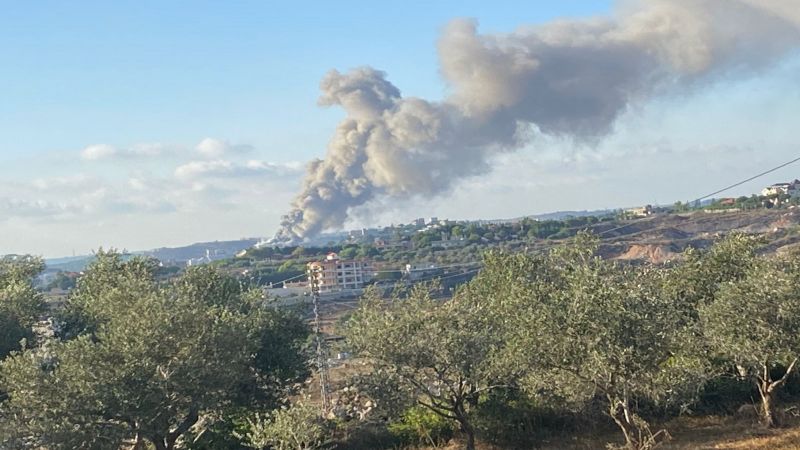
569	78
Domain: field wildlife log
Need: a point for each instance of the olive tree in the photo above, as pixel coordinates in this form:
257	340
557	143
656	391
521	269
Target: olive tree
441	351
754	322
589	328
697	278
20	303
145	362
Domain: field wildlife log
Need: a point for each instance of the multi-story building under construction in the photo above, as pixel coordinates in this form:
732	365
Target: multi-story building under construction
335	275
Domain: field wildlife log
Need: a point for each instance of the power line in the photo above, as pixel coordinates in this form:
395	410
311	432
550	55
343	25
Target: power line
602	233
354	304
425	269
321	351
719	191
614	229
288	279
448	276
748	179
387	271
739	183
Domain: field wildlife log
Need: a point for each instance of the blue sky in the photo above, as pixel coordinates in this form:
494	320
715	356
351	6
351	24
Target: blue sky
224	94
127	72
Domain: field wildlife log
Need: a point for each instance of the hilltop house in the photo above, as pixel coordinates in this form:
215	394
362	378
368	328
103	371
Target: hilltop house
642	211
792	189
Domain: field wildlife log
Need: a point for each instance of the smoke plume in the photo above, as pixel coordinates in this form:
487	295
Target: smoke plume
569	78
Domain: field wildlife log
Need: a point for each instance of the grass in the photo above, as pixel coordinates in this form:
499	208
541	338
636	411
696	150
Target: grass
731	433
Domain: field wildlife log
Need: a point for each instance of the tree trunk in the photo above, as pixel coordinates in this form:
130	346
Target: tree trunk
466	426
158	443
767	388
183	427
139	443
619	410
768	417
470	432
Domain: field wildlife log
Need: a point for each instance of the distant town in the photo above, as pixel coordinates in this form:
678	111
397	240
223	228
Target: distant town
342	264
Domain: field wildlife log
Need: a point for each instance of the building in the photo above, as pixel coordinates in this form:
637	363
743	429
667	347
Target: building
447	242
413	272
791	189
335	275
642	211
775	189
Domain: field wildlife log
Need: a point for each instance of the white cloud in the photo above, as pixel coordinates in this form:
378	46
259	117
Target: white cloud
76	198
196	169
32	208
68	183
208	148
216	148
151	149
220	168
98	152
105	194
138	184
255	168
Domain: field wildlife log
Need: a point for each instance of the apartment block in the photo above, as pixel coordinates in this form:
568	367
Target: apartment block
335	275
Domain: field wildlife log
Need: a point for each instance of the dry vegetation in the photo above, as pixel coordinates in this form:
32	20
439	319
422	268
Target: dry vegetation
688	433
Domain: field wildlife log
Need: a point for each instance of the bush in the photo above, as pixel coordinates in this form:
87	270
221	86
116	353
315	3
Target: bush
510	419
420	425
723	395
727	393
298	427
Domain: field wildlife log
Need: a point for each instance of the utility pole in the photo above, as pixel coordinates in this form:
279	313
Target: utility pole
314	273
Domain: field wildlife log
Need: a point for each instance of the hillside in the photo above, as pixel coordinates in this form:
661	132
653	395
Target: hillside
213	250
175	255
662	237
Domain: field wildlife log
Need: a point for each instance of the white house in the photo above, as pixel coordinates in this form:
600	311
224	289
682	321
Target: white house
791	189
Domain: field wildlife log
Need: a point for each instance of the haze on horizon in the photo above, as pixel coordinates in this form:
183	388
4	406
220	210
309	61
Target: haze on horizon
141	125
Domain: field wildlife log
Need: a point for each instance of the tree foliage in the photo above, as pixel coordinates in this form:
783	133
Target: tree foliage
697	280
754	322
440	351
296	427
145	361
141	361
586	328
421	426
20	303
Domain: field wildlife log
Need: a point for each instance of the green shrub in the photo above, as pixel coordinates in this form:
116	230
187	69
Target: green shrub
298	427
420	425
723	395
510	419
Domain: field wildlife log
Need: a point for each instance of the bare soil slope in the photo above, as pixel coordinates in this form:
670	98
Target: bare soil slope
662	237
